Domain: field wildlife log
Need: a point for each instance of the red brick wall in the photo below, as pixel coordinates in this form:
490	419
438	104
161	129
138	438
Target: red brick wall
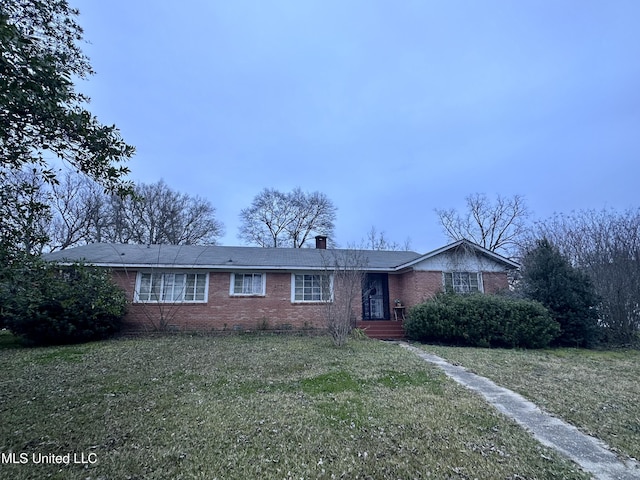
494	282
415	287
223	311
396	290
420	286
274	310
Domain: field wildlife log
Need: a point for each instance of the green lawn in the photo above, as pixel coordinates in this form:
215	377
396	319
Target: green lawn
253	407
597	391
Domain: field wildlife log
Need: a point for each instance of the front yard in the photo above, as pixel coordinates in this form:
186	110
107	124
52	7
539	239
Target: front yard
597	391
250	407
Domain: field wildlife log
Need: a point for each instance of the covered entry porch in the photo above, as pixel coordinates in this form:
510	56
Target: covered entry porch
380	317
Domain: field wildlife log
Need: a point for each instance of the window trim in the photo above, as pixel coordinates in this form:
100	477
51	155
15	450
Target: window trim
140	273
453	287
293	287
232	283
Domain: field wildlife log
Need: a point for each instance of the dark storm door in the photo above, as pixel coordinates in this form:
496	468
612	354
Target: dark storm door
375	296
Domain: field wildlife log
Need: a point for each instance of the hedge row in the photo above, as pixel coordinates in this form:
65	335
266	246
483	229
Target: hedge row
46	304
482	321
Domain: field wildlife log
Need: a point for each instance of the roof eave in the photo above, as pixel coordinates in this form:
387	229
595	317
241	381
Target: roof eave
495	256
224	267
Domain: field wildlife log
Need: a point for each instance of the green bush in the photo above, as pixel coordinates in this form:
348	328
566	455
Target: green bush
47	304
549	278
482	321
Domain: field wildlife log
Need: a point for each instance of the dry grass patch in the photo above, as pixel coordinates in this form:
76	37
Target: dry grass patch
254	407
597	391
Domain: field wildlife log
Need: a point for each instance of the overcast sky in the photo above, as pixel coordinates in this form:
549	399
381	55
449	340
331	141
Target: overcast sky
391	109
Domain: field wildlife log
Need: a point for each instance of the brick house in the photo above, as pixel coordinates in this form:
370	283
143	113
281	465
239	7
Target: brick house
206	288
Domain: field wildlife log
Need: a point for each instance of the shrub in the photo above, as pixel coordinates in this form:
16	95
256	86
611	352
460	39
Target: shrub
549	278
482	321
47	304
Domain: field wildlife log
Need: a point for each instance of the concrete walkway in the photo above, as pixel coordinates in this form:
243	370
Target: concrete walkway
590	453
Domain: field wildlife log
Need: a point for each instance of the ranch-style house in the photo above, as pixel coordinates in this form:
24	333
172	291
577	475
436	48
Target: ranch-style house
207	288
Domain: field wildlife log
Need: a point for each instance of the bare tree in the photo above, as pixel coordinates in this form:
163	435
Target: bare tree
25	210
606	245
497	226
264	223
77	205
378	241
111	221
277	219
156	214
311	213
82	212
346	269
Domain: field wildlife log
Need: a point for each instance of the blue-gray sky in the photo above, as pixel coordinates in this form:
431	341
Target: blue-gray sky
391	109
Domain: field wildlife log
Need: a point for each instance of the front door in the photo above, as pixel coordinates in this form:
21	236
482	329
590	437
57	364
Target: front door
375	296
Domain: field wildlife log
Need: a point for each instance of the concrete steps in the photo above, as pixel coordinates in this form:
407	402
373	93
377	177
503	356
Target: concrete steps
382	329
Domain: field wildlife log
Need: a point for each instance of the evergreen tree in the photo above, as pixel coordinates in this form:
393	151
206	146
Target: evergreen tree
42	116
50	304
568	294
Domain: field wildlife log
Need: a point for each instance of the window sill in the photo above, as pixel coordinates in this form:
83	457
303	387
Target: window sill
155	302
310	302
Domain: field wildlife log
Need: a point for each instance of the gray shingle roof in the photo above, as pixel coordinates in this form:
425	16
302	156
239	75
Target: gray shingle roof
222	257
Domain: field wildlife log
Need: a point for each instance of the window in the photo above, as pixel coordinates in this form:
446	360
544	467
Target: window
312	288
247	284
462	282
171	287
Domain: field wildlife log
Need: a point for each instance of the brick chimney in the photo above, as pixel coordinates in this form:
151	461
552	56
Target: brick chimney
321	242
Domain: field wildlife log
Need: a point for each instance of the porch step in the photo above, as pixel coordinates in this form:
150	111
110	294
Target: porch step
382	329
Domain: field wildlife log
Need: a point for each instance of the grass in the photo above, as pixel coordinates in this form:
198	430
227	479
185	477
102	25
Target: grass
245	407
597	391
8	341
